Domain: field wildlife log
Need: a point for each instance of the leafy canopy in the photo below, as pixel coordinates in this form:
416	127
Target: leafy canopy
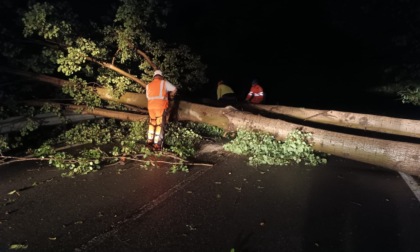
119	53
116	48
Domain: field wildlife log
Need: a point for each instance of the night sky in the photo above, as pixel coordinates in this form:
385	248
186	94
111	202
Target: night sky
292	46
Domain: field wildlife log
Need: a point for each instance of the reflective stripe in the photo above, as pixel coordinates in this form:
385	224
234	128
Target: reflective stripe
160	96
256	94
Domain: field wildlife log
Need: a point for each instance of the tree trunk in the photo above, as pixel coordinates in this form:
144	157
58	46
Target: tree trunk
134	99
383	124
375	123
129	98
398	156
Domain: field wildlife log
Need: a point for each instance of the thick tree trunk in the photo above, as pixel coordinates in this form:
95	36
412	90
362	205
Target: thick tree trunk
398	156
134	99
383	124
84	110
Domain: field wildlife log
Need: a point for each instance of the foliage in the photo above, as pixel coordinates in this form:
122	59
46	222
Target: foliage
15	140
85	55
87	160
124	136
407	91
410	95
108	141
205	130
116	51
263	148
97	132
402	71
184	138
109	54
4	146
18	246
181	140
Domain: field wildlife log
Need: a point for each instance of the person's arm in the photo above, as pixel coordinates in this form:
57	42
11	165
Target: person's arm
249	96
172	93
171	89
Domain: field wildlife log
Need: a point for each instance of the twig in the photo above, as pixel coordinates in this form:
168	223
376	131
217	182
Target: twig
13	159
167	162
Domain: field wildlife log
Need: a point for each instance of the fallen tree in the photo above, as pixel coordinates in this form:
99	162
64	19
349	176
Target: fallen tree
383	124
96	84
394	155
374	123
399	156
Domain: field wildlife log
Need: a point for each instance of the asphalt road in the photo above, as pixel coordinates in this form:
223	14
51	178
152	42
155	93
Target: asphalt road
230	206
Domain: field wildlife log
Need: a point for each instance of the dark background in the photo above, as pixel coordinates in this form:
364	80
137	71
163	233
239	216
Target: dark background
295	48
303	52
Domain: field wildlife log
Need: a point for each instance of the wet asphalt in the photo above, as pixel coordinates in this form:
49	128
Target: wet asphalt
229	206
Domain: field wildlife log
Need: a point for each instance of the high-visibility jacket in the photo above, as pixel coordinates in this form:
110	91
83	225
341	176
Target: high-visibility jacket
256	94
223	89
157	93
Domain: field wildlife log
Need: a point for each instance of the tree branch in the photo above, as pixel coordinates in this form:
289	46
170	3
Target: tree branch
85	110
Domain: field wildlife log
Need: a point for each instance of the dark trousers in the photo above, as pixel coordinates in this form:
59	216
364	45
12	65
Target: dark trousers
229	98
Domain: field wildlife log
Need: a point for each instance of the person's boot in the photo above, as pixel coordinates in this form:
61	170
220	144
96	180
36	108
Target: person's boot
149	145
157	147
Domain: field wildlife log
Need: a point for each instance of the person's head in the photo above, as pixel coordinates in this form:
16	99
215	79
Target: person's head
254	82
157	73
220	82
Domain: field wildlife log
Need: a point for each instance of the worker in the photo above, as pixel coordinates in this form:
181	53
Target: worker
225	93
256	94
157	93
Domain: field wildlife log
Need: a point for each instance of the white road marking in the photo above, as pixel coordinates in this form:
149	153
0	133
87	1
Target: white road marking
415	188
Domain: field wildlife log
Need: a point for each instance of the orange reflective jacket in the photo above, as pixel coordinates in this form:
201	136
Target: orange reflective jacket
256	94
157	95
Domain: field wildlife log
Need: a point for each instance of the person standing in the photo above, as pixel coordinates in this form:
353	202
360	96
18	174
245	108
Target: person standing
157	93
256	94
225	93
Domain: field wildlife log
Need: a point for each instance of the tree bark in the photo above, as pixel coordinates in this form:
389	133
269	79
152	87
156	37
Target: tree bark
129	98
394	155
375	123
84	110
383	124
